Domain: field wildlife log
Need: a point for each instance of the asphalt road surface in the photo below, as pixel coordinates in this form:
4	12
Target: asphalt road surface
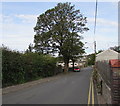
72	88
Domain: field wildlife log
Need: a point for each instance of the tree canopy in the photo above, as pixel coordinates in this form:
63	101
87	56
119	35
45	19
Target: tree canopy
58	31
116	48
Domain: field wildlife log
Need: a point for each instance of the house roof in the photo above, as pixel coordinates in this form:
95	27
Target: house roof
107	55
115	63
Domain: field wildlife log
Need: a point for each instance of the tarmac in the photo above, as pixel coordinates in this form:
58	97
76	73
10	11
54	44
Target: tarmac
28	84
14	88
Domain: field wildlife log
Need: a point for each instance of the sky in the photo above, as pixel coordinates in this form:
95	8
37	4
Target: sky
19	19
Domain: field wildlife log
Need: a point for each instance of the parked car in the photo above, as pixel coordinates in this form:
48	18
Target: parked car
76	69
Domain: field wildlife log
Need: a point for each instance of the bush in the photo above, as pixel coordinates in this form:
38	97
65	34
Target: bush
19	68
12	70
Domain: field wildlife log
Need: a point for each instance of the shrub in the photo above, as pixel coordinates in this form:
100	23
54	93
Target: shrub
19	68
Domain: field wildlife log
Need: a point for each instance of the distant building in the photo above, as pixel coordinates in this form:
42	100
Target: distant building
76	64
107	55
81	62
61	63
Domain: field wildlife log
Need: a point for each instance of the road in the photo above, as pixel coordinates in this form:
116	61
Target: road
73	88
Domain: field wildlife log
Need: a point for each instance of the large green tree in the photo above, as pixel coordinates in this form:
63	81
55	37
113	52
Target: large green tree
57	32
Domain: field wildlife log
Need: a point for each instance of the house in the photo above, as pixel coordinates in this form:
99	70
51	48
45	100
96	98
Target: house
81	62
105	65
107	55
61	63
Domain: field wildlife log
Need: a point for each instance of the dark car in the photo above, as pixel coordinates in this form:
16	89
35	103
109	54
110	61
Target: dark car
76	69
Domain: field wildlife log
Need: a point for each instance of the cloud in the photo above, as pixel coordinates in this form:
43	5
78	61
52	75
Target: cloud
106	34
103	42
23	18
7	19
17	43
103	22
27	18
18	35
59	0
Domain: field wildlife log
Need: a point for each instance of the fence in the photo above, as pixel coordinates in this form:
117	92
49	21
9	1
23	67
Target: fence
104	70
109	74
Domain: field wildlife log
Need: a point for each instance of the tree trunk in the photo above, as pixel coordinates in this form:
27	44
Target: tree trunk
73	64
66	67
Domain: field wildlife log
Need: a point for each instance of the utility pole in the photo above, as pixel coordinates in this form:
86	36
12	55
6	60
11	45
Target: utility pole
95	47
95	28
95	51
94	78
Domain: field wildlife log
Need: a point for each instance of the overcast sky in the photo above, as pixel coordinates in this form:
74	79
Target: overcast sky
19	19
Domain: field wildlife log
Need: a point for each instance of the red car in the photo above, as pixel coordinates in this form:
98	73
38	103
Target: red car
76	69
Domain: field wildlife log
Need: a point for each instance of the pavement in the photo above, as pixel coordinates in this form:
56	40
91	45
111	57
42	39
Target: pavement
100	98
71	88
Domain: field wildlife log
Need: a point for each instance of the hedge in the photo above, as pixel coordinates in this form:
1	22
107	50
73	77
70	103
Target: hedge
19	67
